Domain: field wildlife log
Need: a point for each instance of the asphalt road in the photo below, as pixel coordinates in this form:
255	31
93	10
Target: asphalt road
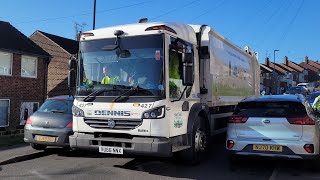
56	163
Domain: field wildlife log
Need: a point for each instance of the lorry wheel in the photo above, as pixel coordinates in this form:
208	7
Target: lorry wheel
38	146
198	147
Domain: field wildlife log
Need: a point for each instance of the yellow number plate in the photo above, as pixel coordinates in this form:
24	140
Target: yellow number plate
261	147
45	138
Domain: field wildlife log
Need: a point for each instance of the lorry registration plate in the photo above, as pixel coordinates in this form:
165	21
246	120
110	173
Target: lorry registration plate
110	150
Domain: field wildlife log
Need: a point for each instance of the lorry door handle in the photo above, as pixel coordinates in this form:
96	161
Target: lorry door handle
266	121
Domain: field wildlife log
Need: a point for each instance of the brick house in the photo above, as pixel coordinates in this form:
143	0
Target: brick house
23	70
302	74
313	69
265	78
60	49
280	80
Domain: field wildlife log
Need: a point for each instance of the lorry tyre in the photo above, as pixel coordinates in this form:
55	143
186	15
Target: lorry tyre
38	146
193	155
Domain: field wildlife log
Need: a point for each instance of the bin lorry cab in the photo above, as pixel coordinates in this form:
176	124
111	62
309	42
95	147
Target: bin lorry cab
171	86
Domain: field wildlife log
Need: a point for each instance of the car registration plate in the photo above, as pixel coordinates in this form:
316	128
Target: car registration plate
265	147
110	150
45	138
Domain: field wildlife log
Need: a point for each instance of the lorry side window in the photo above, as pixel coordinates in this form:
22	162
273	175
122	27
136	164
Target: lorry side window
175	74
176	68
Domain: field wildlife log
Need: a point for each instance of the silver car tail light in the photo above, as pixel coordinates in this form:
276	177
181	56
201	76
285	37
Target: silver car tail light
301	120
237	119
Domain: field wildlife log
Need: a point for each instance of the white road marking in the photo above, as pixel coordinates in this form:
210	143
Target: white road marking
40	175
274	174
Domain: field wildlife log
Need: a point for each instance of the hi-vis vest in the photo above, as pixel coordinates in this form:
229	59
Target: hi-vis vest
316	103
105	80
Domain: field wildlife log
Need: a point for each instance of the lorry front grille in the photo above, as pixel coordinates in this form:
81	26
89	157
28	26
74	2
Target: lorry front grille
119	124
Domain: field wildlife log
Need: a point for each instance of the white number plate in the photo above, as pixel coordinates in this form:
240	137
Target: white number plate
110	150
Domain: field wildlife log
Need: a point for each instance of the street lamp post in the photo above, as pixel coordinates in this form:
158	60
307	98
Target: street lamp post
274	67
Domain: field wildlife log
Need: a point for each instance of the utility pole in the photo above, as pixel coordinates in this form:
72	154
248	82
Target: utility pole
78	29
94	15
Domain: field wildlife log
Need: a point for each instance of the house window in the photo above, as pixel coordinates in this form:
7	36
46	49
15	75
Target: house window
4	112
27	109
268	76
29	66
5	63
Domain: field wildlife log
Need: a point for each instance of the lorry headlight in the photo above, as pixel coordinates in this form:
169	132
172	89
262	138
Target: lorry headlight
155	113
77	111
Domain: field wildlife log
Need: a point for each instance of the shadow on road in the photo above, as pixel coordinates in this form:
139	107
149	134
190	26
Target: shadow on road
26	157
213	166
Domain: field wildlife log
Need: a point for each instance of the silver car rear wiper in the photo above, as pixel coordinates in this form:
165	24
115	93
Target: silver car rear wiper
57	111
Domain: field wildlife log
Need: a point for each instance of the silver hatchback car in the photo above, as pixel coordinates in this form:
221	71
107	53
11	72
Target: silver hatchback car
273	126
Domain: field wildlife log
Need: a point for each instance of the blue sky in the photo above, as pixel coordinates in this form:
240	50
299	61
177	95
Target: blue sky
288	25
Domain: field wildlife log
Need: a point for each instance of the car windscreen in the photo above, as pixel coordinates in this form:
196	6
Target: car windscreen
56	106
294	90
270	109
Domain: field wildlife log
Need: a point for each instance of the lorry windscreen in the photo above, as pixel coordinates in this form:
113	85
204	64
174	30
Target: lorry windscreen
106	69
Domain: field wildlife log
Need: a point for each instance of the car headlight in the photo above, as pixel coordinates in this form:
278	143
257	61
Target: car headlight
155	113
77	111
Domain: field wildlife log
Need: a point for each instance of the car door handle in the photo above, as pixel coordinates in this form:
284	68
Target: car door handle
266	121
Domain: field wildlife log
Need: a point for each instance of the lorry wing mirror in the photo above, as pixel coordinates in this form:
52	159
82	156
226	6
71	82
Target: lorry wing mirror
72	79
172	47
72	63
204	52
188	76
188	58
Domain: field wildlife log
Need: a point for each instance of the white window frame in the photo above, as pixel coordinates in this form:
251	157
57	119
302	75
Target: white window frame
36	70
11	63
8	112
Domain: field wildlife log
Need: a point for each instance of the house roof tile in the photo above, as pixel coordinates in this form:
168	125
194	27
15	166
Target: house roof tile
69	45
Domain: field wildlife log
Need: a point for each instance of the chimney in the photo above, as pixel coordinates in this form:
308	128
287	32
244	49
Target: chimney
286	62
306	59
266	61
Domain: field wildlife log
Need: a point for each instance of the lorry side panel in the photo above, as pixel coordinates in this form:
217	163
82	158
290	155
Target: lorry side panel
232	71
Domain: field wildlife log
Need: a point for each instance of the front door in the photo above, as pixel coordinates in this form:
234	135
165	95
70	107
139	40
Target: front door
26	109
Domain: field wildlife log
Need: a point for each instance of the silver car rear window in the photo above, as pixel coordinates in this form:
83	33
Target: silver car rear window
270	109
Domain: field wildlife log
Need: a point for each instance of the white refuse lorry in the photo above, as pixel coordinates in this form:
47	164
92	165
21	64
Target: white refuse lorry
158	89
